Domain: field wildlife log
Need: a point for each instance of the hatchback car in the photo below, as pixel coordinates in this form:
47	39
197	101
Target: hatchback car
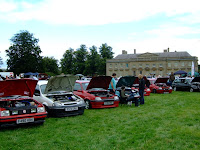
160	86
95	92
17	107
56	95
135	85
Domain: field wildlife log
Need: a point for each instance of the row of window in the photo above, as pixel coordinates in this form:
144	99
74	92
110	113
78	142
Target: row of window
176	64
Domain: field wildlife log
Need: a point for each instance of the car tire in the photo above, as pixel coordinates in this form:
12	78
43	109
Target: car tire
175	89
87	104
191	90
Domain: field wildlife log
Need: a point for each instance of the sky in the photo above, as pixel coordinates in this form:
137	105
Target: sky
147	26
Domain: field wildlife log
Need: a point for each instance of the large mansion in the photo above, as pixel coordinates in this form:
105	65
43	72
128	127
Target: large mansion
150	63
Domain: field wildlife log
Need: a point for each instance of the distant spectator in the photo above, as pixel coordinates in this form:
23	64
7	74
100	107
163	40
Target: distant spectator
171	78
112	86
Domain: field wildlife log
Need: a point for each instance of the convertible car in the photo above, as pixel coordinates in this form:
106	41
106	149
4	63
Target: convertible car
17	107
95	92
160	86
56	95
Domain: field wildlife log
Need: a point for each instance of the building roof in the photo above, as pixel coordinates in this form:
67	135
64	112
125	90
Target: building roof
164	54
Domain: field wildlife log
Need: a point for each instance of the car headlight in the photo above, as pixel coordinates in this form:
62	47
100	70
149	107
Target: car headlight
56	104
98	98
81	101
160	88
5	113
148	90
40	109
116	98
170	87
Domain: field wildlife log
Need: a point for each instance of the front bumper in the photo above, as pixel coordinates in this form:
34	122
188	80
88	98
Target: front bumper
65	111
10	121
104	103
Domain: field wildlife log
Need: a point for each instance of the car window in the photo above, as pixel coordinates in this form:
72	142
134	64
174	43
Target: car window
42	87
85	85
77	87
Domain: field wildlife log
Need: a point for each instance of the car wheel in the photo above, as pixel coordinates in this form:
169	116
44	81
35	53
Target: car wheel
175	89
87	104
191	90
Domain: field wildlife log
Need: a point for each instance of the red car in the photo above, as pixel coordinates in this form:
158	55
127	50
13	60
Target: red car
135	86
160	86
95	92
17	107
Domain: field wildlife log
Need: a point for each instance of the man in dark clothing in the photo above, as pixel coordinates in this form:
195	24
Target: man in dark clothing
171	78
141	88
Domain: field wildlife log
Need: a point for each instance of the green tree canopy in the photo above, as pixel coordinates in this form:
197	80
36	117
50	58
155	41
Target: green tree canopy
92	63
67	62
105	53
50	65
80	56
24	53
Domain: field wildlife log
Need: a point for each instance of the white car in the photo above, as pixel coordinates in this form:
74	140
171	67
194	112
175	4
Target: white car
56	95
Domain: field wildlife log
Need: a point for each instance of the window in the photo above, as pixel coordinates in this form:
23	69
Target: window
140	72
169	65
161	65
147	65
115	65
175	64
140	65
110	66
134	73
126	65
121	65
154	65
182	64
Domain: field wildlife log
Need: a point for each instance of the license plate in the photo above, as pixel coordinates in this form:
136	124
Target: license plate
71	108
166	92
109	103
25	120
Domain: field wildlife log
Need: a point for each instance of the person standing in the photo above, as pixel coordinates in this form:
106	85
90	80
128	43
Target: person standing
141	88
171	78
112	85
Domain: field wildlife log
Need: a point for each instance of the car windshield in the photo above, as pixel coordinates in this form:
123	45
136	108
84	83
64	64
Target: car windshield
85	85
42	87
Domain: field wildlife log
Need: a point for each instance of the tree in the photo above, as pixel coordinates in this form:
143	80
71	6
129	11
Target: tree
80	58
24	53
50	65
105	53
67	62
92	63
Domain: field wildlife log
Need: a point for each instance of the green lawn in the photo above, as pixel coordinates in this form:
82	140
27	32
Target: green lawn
165	121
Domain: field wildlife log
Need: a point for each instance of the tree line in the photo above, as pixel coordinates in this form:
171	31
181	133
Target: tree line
24	55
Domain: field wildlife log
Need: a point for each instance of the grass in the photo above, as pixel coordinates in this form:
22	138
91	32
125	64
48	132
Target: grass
165	121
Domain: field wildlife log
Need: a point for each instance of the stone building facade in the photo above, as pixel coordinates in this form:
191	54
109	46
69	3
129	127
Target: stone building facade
150	63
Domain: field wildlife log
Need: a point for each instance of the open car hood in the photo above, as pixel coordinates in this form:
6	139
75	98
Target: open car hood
161	80
126	81
196	79
60	83
99	82
23	87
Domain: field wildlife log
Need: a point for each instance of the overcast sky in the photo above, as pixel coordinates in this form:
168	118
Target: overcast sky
147	26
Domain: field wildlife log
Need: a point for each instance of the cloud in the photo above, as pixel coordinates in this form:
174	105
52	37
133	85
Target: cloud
90	12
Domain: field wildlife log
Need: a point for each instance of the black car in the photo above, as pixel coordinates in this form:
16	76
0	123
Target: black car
195	84
182	84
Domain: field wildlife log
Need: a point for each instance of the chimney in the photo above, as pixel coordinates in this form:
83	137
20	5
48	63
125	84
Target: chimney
134	51
165	50
124	52
168	49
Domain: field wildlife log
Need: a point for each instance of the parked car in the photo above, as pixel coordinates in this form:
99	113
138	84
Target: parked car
183	84
127	82
56	95
17	107
195	84
160	86
95	92
135	85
